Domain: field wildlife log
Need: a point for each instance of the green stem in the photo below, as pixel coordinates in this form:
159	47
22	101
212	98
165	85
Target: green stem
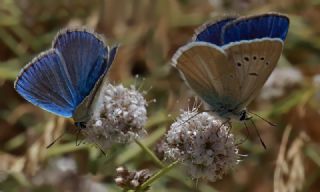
157	176
150	153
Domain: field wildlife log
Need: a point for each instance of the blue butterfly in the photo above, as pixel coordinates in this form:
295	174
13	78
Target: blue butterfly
227	62
65	79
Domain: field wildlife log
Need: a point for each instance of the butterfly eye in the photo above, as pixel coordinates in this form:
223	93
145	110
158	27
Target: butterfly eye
81	125
246	58
239	64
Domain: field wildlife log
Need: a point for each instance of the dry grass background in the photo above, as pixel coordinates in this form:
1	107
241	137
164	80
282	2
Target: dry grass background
150	32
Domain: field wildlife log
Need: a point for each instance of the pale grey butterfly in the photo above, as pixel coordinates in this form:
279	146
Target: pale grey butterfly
227	62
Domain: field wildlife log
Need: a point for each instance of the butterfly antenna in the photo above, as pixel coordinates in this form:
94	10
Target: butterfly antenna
83	141
269	122
255	127
100	148
97	145
55	140
247	129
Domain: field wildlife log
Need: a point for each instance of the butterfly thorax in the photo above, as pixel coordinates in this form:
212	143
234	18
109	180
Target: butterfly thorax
227	112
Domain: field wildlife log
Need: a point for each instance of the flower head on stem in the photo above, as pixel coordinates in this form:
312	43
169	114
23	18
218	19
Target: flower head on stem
119	118
203	144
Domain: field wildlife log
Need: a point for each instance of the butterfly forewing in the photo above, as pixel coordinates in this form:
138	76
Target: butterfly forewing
44	83
254	61
210	32
84	54
272	25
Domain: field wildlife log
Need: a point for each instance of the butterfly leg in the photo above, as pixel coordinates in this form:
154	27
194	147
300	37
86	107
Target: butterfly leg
227	121
269	122
257	132
55	140
247	135
229	129
77	137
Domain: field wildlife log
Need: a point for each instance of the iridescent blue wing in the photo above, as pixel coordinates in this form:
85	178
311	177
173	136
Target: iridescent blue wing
59	79
211	32
270	25
45	83
85	57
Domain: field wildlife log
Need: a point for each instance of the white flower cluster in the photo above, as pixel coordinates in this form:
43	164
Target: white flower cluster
205	146
280	80
119	117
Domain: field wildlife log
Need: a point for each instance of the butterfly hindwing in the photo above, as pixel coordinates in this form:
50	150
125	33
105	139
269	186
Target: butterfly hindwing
112	55
85	56
44	83
83	110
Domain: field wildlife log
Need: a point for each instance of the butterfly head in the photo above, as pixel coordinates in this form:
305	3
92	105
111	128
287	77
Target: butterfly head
243	115
229	111
80	125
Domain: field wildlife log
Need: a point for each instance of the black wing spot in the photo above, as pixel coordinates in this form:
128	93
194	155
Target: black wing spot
253	74
267	63
261	58
239	64
254	57
246	58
